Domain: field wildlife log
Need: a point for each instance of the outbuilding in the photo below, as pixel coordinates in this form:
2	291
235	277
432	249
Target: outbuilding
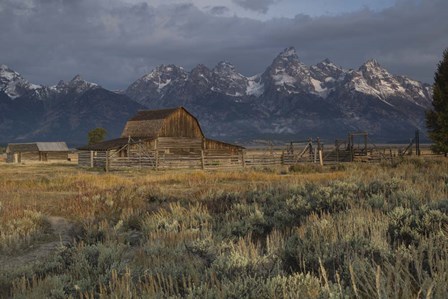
36	151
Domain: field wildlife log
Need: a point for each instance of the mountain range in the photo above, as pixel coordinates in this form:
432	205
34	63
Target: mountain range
288	101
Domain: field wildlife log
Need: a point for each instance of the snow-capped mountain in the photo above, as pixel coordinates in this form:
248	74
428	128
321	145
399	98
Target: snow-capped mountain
13	84
66	111
288	100
291	97
76	85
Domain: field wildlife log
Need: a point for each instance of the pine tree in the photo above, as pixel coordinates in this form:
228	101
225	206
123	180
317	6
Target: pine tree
437	117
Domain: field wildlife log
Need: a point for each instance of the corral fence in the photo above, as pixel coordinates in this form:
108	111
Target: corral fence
295	152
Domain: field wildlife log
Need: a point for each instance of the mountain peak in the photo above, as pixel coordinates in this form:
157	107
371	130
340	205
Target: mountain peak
4	67
372	63
13	84
224	67
225	64
289	52
77	83
76	79
7	73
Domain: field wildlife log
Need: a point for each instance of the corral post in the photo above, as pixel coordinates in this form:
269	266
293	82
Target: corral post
139	155
365	143
243	158
107	161
91	159
202	159
321	159
337	150
310	145
417	142
156	154
351	147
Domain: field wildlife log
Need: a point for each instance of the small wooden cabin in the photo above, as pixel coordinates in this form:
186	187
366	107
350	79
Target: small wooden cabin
36	151
171	137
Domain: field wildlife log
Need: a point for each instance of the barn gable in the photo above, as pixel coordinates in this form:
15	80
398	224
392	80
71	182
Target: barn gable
177	122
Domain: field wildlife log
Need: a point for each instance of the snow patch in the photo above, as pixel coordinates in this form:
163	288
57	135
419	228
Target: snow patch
254	86
163	84
284	79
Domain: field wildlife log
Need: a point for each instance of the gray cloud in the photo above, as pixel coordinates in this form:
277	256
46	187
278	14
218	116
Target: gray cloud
261	6
219	10
113	44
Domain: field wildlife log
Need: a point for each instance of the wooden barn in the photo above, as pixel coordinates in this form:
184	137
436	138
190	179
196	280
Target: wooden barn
36	151
168	138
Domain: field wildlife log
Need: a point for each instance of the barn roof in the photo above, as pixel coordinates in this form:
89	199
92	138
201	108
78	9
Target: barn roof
153	114
148	123
38	147
111	144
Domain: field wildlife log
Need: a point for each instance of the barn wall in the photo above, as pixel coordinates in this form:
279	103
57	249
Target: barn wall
179	145
217	146
52	156
30	156
144	148
181	124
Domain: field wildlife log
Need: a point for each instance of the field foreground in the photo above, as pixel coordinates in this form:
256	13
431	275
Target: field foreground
348	231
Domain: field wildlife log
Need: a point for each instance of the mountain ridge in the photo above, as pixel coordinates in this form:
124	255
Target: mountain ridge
288	100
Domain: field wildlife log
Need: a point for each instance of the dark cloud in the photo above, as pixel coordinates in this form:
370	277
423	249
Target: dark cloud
219	10
261	6
113	44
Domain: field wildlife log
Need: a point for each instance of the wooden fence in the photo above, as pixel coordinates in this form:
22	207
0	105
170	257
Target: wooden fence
215	159
206	159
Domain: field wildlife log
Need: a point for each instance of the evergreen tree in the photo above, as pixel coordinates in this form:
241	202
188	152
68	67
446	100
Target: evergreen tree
437	117
96	135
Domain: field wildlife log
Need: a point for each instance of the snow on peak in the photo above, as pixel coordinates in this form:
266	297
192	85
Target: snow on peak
225	65
77	84
13	84
288	52
255	86
78	80
372	63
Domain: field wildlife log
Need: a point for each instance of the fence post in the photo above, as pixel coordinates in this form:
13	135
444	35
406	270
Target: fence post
321	159
417	142
91	159
202	160
107	161
337	151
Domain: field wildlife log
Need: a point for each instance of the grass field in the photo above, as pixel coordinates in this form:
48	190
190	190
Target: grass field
351	231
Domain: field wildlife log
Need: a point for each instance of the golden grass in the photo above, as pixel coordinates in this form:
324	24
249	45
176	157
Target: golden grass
181	216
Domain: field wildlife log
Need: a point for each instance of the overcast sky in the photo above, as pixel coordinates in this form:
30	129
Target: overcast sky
114	42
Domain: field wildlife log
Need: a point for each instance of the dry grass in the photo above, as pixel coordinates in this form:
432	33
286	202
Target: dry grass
366	230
